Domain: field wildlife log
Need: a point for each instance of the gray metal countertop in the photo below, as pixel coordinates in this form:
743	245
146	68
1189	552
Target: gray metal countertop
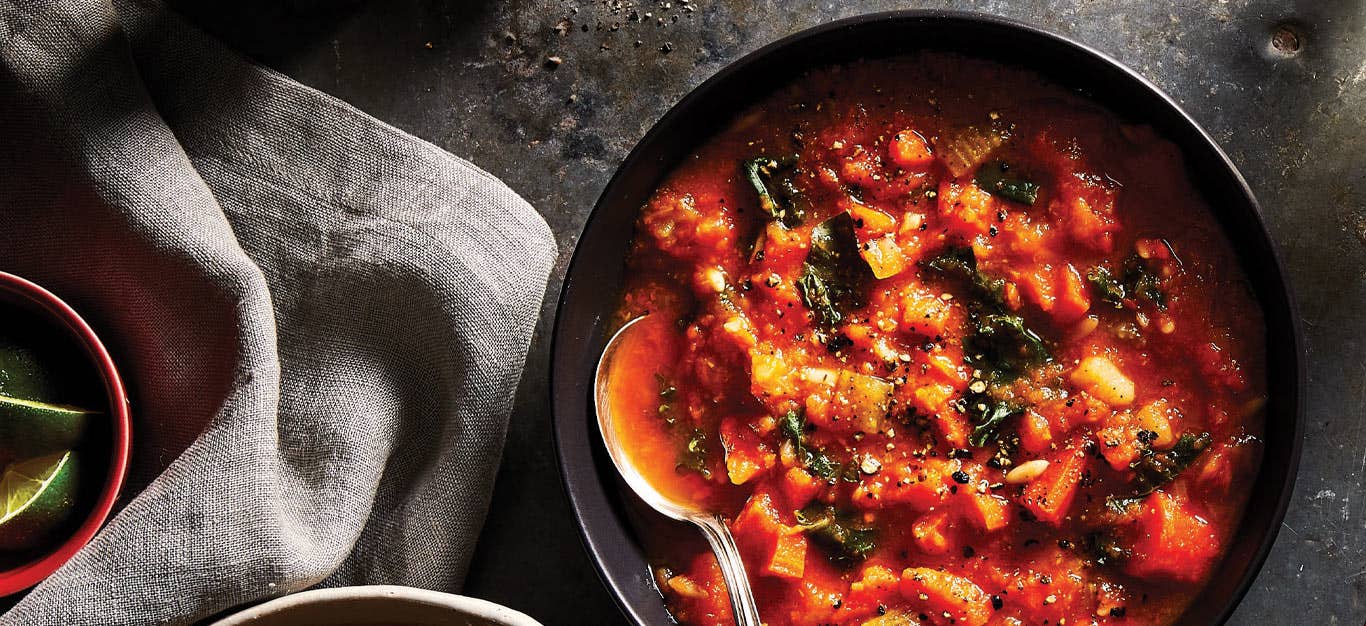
472	77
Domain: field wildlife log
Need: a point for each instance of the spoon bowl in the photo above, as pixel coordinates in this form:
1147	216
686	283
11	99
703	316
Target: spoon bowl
713	526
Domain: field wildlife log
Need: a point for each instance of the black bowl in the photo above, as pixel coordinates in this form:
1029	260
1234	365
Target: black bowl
596	271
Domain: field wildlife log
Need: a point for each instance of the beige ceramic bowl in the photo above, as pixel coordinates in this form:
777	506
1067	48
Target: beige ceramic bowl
377	605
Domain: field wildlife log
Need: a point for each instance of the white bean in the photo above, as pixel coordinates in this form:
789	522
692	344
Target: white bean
1027	471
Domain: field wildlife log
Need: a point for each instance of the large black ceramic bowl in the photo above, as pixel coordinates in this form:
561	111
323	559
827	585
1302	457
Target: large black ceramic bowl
596	272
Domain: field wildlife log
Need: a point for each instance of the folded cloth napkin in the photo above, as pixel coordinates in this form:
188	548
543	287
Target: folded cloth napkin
322	319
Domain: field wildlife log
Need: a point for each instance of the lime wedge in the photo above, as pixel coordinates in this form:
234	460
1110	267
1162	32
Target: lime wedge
37	496
29	428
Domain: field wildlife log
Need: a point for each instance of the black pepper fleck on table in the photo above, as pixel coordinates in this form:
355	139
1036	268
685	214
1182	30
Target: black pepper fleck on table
550	95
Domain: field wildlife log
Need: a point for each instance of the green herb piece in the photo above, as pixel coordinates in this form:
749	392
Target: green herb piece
844	541
997	179
1154	469
1137	281
779	197
1106	548
820	464
695	453
834	276
1107	287
849	473
792	427
1121	505
961	263
667	392
991	414
1143	283
1002	346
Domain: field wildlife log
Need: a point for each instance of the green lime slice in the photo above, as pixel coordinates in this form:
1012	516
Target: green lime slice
29	428
37	495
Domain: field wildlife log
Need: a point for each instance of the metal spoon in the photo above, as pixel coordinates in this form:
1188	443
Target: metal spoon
722	543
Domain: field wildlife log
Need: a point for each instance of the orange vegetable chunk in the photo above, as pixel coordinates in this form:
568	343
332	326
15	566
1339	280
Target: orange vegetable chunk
909	150
788	559
1173	543
941	592
1049	496
746	456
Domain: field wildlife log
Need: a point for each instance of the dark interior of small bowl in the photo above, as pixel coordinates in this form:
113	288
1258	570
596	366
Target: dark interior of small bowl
596	271
75	381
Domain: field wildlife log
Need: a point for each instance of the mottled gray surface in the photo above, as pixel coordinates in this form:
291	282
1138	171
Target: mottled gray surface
481	89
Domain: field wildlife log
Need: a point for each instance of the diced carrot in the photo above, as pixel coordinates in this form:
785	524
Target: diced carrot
782	243
923	313
953	426
759	517
1089	211
874	586
679	228
862	169
1173	542
1037	285
1073	298
1118	443
938	592
1035	433
870	221
919	484
986	511
760	533
1121	439
799	487
947	369
746	456
788	559
1083	408
931	531
933	398
1049	497
814	600
908	150
965	206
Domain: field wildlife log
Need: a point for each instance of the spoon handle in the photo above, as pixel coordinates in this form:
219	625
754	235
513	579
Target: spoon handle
732	568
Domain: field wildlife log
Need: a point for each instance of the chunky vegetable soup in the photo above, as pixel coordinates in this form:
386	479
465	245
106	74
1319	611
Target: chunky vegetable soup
948	345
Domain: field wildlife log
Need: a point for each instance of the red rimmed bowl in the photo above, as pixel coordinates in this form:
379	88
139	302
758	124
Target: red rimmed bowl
17	297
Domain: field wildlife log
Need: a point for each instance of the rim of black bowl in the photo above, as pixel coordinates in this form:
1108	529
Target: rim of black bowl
589	296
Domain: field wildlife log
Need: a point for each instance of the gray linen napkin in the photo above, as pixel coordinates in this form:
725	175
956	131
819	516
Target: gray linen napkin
321	318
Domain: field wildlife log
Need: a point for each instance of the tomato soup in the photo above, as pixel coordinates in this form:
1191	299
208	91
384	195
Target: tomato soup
947	344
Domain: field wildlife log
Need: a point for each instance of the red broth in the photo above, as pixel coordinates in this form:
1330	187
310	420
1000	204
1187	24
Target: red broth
978	354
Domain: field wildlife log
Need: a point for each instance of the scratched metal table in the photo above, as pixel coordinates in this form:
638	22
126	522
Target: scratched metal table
1282	86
